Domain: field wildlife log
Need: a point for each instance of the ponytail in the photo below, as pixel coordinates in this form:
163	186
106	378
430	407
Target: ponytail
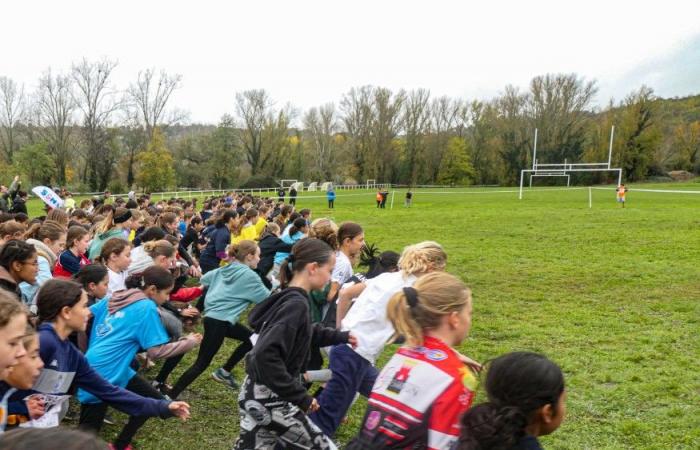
325	230
297	225
415	309
517	384
159	248
155	276
423	257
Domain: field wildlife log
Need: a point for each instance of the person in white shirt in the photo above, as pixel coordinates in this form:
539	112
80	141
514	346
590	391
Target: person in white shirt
353	370
351	239
116	256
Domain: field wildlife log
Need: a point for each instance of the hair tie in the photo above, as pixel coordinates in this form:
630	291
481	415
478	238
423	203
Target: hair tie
290	258
124	217
411	296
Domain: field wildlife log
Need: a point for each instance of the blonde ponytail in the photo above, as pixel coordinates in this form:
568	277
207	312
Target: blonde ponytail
424	257
422	307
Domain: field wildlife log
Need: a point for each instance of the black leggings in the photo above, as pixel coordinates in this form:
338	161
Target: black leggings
331	204
92	414
214	333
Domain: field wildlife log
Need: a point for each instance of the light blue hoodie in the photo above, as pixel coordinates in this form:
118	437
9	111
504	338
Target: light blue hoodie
231	289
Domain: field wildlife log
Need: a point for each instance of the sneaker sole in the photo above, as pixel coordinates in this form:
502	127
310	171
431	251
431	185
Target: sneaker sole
223	381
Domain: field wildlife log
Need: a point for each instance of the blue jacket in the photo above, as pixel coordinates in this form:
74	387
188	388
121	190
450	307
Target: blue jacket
65	365
219	239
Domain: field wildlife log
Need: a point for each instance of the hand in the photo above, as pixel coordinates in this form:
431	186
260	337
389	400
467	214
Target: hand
180	409
314	406
189	312
194	271
352	340
197	337
35	406
475	366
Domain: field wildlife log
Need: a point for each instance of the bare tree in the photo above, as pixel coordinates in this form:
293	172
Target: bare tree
321	126
445	116
253	109
150	95
11	110
98	101
358	116
386	125
55	107
416	123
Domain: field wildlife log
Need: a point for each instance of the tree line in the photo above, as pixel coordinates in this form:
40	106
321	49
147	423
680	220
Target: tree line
78	130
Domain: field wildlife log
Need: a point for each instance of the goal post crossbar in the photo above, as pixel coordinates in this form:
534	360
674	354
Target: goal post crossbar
565	172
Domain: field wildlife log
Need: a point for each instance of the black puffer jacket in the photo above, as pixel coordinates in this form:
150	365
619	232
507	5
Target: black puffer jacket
269	245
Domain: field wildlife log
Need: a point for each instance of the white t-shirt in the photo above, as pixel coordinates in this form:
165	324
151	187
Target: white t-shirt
342	270
116	281
367	317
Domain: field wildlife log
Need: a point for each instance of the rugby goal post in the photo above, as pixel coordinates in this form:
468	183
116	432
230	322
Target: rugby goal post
287	183
565	169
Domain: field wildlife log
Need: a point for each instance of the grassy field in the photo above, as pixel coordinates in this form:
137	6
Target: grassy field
611	294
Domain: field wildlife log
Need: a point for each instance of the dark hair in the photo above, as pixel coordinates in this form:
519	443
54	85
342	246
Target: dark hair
6	217
297	225
15	250
348	230
517	384
167	218
152	234
92	273
305	251
21	217
78	214
195	220
226	217
54	295
378	264
75	233
305	212
153	276
63	438
251	212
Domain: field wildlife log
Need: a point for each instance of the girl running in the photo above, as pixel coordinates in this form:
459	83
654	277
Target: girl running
247	228
351	239
49	239
73	258
270	244
353	370
22	376
526	399
13	324
232	289
219	239
424	389
116	224
62	309
116	255
18	264
124	324
273	401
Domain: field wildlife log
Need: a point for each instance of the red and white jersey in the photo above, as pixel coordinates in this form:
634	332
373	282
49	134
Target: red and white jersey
417	400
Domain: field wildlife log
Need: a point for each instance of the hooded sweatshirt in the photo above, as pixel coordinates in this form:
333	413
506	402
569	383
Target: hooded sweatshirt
8	283
46	259
123	325
285	336
100	239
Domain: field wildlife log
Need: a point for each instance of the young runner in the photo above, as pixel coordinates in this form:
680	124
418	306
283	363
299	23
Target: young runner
73	258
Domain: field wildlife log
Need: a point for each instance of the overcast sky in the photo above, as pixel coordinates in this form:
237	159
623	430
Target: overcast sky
311	52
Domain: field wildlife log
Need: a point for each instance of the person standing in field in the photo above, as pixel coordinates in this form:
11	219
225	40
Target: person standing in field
409	199
292	196
621	192
330	196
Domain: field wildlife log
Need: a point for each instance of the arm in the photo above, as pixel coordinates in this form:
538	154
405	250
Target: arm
345	299
324	336
221	242
174	348
126	401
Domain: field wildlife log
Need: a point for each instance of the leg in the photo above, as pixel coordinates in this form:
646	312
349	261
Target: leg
168	366
240	333
91	416
349	370
214	334
142	387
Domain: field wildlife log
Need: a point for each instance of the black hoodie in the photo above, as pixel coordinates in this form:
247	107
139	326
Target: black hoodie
269	245
285	336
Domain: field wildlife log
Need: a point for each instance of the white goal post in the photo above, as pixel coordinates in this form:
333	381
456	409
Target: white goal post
287	183
565	169
371	183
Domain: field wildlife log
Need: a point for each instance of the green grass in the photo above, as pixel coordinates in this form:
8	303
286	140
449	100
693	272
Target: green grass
611	294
